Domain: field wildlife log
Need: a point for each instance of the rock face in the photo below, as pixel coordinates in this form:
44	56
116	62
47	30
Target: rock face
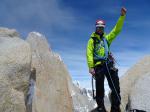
134	86
52	91
15	61
140	94
5	32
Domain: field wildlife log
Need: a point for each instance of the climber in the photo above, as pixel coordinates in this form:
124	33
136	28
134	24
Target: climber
101	66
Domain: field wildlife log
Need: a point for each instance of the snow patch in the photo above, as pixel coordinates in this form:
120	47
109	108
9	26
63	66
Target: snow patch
37	33
73	93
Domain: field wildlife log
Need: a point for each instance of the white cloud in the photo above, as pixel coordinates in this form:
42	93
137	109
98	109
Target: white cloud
38	13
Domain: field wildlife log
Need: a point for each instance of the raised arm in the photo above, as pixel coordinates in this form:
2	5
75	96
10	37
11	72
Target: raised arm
118	27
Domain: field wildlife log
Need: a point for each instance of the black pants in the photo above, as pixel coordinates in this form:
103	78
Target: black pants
102	72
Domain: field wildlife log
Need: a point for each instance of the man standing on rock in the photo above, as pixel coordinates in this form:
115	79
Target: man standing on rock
101	63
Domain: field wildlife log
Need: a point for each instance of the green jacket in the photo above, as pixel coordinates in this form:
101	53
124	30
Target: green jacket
109	37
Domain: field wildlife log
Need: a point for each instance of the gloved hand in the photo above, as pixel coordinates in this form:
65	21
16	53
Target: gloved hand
123	11
92	71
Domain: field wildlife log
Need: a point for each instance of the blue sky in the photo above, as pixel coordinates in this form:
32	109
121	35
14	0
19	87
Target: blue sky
68	24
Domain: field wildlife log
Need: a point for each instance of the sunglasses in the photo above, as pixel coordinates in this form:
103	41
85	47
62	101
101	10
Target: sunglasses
99	28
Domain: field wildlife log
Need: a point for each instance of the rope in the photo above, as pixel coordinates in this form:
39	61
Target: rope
114	87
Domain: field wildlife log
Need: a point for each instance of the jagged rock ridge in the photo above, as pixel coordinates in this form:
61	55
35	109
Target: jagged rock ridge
33	78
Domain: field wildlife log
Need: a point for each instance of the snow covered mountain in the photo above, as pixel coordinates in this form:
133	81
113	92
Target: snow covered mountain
82	99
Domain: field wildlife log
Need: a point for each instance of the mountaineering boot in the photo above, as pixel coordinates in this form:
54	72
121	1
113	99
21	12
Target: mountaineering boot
115	109
99	109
